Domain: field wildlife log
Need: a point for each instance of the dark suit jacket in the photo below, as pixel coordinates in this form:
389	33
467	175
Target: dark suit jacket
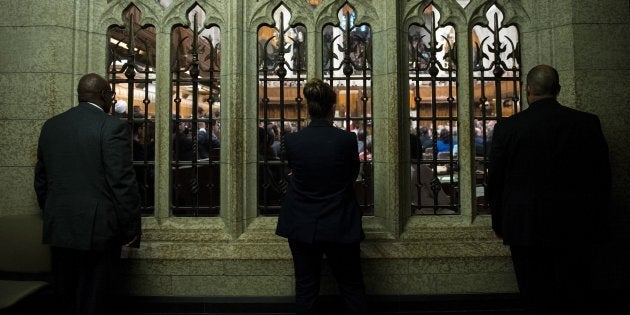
320	204
85	182
549	177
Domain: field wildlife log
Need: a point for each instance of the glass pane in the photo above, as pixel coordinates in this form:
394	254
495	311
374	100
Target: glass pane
131	73
496	84
281	108
196	117
347	67
434	181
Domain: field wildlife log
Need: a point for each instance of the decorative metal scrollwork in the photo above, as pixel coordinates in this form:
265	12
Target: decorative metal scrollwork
196	90
281	109
433	116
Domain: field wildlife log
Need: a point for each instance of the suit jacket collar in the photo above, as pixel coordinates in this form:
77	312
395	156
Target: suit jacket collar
91	107
544	102
320	123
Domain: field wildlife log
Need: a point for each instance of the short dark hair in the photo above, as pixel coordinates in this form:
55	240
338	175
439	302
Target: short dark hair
320	98
543	80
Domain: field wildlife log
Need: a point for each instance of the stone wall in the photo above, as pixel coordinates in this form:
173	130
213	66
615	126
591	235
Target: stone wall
49	44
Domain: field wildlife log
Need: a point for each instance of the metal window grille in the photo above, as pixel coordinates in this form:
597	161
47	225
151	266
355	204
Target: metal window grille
281	108
195	95
131	73
347	67
496	85
434	185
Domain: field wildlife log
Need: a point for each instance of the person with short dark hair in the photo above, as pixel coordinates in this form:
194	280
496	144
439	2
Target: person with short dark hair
320	214
445	141
86	187
425	138
548	199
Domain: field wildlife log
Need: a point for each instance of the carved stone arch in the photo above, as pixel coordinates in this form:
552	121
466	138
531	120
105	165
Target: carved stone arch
262	13
450	12
151	13
178	13
327	13
302	13
513	13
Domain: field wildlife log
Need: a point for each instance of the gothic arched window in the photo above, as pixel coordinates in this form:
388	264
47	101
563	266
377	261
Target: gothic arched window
196	116
496	68
347	67
131	73
281	108
433	115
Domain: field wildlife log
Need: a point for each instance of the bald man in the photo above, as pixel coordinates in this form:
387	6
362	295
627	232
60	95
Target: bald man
548	188
86	188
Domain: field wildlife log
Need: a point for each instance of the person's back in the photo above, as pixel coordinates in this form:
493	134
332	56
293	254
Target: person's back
320	214
547	179
87	190
549	174
322	180
75	152
316	159
548	196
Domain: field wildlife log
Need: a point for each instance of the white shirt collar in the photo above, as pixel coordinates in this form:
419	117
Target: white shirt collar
96	106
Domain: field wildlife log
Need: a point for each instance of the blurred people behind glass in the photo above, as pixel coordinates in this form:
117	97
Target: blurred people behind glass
144	152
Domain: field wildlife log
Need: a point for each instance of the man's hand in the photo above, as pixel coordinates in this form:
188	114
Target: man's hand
131	243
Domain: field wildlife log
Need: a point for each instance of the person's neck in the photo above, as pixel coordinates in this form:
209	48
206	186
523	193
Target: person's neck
531	99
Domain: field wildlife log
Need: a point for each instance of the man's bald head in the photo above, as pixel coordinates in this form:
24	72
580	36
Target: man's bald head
94	88
542	82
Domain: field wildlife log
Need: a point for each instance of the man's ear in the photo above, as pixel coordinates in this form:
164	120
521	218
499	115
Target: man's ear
527	89
558	89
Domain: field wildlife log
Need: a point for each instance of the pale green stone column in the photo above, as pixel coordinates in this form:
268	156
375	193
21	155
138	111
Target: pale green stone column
234	132
388	118
162	124
465	127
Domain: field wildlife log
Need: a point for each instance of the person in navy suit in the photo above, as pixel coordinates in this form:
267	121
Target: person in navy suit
549	195
86	187
320	214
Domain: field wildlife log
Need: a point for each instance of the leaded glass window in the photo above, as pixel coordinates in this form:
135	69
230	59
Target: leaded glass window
347	67
433	116
196	117
496	88
131	73
281	107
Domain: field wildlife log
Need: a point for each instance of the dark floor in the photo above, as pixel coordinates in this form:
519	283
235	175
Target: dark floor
329	305
474	304
609	303
457	304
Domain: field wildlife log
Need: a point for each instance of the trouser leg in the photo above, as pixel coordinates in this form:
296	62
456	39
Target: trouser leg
307	264
552	280
98	285
345	263
65	278
85	281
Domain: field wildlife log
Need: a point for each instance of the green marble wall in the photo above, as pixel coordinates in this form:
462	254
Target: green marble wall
48	45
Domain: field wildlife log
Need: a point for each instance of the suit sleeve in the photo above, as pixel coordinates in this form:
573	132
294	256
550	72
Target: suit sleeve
602	179
40	182
602	159
121	178
496	179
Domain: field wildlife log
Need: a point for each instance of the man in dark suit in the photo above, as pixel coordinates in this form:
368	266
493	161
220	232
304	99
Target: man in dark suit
320	214
86	188
548	193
